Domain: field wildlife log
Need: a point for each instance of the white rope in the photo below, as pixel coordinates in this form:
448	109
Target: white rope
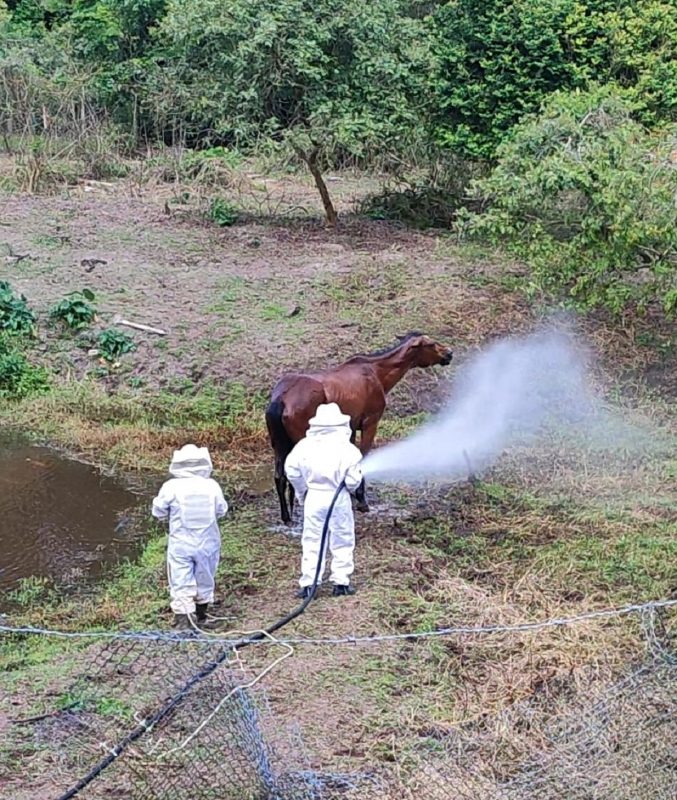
240	687
220	638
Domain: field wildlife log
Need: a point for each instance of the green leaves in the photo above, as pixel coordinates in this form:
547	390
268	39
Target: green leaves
586	196
75	311
344	73
222	212
501	60
15	316
18	378
112	344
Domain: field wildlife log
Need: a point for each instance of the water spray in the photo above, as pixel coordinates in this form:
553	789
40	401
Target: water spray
507	395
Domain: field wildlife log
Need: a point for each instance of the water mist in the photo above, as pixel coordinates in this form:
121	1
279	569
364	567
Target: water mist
507	395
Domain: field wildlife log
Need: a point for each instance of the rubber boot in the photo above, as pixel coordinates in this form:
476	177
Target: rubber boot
341	590
304	592
202	618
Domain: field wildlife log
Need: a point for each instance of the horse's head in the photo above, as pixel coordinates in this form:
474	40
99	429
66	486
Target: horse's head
427	352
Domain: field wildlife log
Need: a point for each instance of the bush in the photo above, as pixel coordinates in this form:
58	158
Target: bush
500	59
18	378
112	344
222	212
75	311
429	201
587	197
15	316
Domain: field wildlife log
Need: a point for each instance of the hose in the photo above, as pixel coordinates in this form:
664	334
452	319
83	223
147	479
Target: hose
207	670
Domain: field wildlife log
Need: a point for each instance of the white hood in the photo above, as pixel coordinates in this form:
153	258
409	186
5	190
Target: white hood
329	420
191	462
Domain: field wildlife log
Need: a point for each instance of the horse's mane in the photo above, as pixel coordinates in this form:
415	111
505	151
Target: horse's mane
386	350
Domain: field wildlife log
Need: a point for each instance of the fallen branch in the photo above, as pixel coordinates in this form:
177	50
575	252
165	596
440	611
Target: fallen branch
118	320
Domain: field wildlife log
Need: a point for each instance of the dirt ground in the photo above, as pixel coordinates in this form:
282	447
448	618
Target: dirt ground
243	303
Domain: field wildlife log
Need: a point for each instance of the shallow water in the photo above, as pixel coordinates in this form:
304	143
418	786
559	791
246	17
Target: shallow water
59	518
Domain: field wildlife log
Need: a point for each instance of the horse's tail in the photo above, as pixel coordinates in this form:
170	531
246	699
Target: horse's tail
279	438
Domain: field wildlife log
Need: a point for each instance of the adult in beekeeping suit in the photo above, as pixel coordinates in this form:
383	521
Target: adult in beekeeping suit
193	502
315	468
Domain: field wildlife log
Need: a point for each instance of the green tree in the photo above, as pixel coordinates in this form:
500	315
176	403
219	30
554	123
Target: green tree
587	196
340	79
498	60
643	39
501	59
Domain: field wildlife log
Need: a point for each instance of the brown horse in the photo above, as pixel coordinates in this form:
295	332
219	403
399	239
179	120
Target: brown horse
359	386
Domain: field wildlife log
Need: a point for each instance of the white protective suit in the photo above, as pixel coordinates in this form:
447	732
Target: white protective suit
193	502
315	468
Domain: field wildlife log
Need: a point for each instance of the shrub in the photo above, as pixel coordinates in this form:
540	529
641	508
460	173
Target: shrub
222	212
587	197
18	378
75	310
112	344
15	315
428	201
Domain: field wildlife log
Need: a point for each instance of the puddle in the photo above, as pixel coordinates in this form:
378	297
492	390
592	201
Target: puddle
259	479
58	518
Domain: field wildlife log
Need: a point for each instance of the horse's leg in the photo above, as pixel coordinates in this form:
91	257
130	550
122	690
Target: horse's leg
292	495
281	484
367	436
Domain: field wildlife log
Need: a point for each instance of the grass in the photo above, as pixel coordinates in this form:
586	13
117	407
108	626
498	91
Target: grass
136	433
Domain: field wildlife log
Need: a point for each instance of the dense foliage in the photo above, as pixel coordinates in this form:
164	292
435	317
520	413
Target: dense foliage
380	85
500	60
587	196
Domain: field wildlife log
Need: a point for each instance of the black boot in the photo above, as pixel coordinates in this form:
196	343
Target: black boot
341	590
304	592
202	618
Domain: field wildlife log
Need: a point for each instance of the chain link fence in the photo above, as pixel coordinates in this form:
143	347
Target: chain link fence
173	717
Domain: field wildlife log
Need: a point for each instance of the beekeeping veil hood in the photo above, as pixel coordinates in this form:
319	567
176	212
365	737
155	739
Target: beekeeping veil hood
191	462
329	420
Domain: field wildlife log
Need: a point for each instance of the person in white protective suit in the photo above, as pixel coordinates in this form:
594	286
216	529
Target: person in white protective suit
193	502
315	468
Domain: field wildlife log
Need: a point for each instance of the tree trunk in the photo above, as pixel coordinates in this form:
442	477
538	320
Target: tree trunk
311	161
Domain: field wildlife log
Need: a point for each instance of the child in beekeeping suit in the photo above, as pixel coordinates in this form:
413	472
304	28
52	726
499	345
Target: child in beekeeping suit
315	468
193	502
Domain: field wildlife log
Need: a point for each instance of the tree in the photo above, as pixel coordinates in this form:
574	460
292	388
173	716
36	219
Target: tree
498	60
586	196
501	59
339	79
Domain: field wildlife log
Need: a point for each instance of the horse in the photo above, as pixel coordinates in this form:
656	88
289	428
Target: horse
359	386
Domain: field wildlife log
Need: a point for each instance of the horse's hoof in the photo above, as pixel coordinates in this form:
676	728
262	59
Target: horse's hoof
363	508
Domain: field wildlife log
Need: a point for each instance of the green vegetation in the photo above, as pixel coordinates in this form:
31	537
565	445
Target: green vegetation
75	310
15	315
222	212
112	344
586	196
18	377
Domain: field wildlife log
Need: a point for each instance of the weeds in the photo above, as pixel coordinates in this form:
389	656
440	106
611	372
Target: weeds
113	344
15	315
32	591
75	310
223	213
18	377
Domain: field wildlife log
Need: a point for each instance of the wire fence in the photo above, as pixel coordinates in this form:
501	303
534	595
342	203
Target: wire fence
204	728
